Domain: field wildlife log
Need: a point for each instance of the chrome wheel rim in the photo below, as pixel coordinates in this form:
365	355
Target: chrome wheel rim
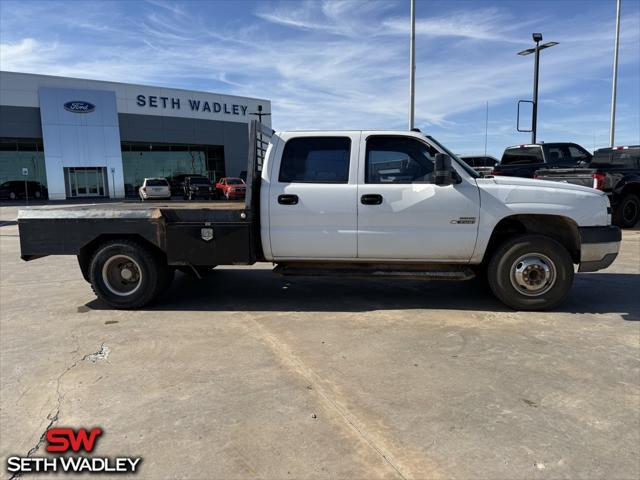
533	274
122	275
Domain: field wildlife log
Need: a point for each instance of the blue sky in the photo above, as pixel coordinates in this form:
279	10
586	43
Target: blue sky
344	64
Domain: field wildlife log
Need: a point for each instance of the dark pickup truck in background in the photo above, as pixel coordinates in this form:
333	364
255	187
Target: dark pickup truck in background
525	160
482	164
615	171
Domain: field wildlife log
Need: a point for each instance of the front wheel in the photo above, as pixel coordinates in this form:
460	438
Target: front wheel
627	211
530	272
127	275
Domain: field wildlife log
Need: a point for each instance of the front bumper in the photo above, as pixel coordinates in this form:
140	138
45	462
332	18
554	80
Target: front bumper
599	247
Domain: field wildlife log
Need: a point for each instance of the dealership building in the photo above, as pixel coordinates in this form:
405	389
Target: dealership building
87	138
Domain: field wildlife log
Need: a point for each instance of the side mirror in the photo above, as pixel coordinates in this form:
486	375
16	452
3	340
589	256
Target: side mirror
444	174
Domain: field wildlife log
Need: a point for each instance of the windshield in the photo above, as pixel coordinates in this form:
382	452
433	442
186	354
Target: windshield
234	181
157	183
200	181
466	167
522	156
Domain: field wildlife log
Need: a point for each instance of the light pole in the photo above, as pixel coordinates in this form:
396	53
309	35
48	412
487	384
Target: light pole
614	86
412	66
537	37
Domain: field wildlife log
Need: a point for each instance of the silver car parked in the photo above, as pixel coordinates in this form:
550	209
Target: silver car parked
154	188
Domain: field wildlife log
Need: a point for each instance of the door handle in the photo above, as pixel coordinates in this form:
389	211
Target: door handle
371	199
288	199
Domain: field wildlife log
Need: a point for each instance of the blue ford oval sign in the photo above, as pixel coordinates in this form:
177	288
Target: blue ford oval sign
78	106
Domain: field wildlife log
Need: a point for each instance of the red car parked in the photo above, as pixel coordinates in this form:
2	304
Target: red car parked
232	187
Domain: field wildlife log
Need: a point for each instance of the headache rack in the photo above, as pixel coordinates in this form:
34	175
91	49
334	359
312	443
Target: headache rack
259	137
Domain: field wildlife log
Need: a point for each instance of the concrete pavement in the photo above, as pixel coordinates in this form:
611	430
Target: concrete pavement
246	374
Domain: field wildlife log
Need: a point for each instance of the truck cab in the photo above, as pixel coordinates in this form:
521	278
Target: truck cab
364	195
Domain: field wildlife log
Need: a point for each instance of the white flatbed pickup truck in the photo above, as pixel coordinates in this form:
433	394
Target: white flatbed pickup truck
391	204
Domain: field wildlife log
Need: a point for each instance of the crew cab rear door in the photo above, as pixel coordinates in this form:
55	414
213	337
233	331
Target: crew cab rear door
313	196
402	214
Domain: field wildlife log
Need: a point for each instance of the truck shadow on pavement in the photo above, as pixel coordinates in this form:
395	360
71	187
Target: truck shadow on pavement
261	290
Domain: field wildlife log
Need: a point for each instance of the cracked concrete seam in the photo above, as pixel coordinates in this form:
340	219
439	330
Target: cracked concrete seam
287	357
53	416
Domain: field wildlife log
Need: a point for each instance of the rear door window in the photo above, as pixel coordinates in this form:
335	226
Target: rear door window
522	156
558	155
316	160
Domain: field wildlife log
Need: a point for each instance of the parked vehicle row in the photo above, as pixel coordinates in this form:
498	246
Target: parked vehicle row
615	171
525	160
192	187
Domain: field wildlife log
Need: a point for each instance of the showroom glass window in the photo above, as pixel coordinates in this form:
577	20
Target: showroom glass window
315	160
396	159
144	160
16	154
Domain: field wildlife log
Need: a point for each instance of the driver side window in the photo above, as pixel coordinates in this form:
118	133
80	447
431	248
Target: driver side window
395	159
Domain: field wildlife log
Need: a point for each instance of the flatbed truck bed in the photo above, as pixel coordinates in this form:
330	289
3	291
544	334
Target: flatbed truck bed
188	233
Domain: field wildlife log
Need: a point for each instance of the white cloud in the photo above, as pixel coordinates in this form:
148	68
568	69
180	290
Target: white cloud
482	24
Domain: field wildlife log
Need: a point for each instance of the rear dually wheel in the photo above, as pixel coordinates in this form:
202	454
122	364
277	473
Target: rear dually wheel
127	275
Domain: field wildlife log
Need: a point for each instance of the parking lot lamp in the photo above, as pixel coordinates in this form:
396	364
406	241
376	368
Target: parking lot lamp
537	37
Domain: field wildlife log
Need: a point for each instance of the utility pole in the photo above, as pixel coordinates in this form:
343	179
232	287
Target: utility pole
486	129
614	86
412	66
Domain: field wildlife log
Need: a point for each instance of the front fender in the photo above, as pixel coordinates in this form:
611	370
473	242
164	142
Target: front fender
580	207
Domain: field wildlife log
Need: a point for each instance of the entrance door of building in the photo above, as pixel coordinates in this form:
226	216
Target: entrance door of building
86	182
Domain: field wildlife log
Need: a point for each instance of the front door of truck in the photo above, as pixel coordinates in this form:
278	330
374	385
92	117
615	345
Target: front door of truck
312	197
402	214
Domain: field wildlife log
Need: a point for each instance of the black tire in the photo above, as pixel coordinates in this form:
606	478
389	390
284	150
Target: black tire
145	266
524	260
626	214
